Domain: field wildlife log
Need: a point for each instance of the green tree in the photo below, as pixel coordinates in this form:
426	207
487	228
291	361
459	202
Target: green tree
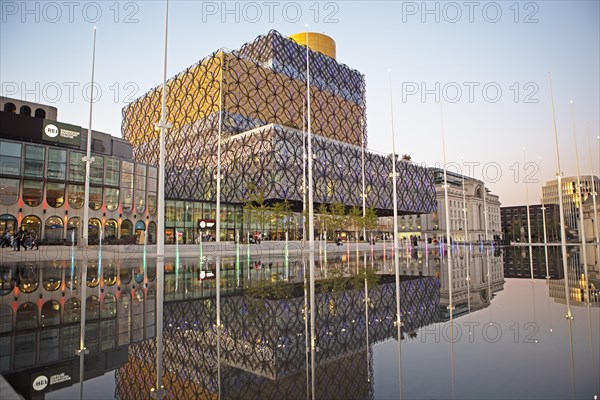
323	218
338	217
355	219
256	209
371	219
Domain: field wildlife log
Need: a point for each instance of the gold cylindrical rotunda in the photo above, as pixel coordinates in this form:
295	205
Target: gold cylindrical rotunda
316	42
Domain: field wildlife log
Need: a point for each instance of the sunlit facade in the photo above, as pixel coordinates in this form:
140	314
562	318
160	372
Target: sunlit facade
259	94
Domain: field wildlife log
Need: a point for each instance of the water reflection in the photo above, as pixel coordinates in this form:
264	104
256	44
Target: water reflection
262	348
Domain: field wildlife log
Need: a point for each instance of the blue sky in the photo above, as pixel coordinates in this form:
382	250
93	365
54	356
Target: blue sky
497	55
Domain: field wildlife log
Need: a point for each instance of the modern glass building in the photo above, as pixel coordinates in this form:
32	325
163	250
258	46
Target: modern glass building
42	181
257	96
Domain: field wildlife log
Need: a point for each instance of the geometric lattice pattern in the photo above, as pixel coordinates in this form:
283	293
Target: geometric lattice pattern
263	344
263	103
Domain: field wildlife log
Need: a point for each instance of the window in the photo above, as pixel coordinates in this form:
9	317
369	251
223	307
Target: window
10	107
152	232
94	229
76	196
54	230
55	194
126	228
27	316
9	222
73	229
25	110
152	189
76	167
111	196
32	223
57	164
127	186
140	188
40	113
32	192
9	191
110	229
34	161
95	198
97	170
112	172
10	158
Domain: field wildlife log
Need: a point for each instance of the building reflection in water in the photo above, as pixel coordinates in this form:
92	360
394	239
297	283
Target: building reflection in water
40	314
263	313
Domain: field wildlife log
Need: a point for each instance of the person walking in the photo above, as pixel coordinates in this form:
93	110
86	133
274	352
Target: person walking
34	240
18	239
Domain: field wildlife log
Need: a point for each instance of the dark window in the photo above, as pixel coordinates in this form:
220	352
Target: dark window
25	110
40	113
10	107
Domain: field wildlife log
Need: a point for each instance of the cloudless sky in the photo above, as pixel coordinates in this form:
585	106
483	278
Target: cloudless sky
487	62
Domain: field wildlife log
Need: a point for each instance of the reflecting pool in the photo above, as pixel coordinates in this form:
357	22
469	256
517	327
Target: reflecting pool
488	330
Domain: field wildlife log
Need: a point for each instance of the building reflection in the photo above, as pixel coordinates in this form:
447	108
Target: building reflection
40	321
263	339
576	282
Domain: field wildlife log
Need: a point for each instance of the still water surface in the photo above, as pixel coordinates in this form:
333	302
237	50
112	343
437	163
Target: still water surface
507	337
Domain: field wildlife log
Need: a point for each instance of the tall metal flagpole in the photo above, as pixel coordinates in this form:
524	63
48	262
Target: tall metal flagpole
545	230
218	216
447	214
395	246
581	226
158	391
83	284
303	177
563	238
311	222
88	159
363	195
528	219
466	225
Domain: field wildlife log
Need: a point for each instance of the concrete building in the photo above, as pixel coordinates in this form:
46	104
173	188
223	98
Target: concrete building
42	180
571	201
478	199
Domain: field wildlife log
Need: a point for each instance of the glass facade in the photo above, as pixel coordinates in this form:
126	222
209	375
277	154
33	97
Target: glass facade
44	182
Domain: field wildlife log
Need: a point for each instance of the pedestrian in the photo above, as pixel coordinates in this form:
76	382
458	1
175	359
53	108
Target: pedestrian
34	240
18	239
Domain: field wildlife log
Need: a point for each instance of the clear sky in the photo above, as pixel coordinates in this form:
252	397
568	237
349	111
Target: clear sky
487	62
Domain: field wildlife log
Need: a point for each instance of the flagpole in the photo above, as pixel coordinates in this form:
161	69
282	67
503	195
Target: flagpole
86	206
158	391
563	239
88	159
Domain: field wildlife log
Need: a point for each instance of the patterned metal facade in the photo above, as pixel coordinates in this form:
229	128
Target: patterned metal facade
263	102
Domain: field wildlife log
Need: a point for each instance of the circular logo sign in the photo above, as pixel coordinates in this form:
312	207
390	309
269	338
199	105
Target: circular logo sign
51	130
40	383
202	224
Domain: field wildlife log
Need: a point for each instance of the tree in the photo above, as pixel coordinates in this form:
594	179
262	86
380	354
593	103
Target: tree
338	217
255	208
355	219
371	219
323	217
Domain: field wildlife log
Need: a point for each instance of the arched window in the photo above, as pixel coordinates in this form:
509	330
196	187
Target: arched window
9	191
25	110
54	229
32	223
76	193
72	311
27	278
10	107
55	194
51	313
73	229
51	278
125	274
27	316
95	198
32	192
6	315
140	231
123	327
152	232
9	222
93	275
92	308
126	228
109	274
40	113
111	197
108	309
94	229
110	229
